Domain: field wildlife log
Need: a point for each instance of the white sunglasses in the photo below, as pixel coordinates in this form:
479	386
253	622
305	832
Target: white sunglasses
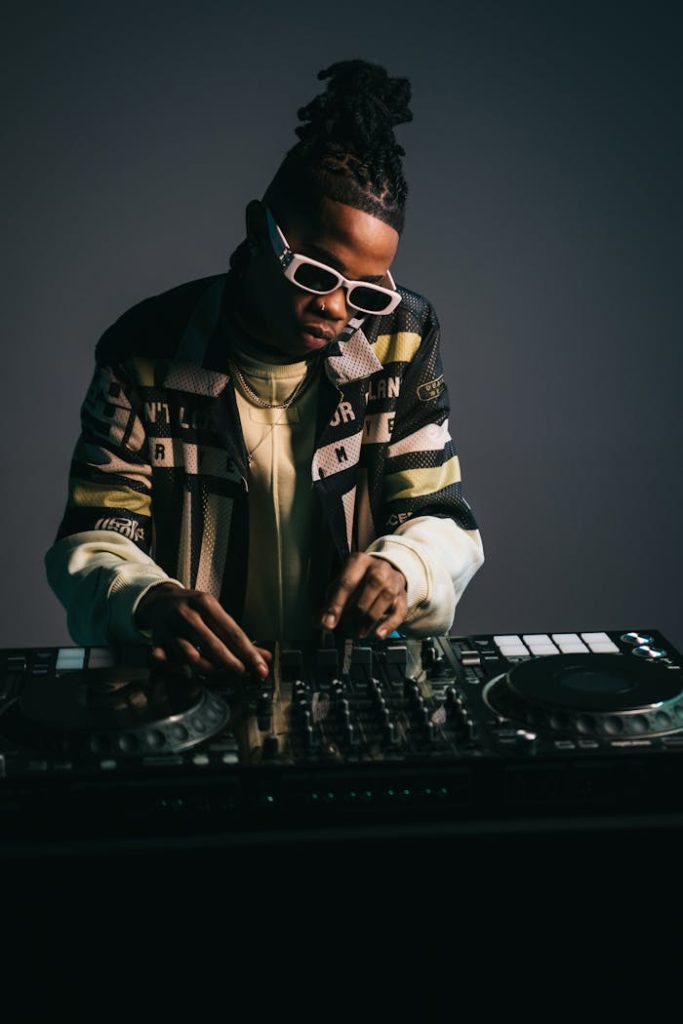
321	279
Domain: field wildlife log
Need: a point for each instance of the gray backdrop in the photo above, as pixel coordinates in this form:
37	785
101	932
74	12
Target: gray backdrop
544	165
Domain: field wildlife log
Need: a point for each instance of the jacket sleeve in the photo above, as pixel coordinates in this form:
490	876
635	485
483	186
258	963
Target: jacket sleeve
430	533
100	564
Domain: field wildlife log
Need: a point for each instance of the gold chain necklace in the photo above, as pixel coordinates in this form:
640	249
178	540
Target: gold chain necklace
251	396
261	402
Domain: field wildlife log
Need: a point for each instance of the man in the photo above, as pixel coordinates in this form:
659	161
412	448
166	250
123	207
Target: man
268	450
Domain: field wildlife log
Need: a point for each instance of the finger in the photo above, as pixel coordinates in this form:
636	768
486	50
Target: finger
173	656
191	628
375	597
213	655
342	590
191	656
226	632
376	603
394	619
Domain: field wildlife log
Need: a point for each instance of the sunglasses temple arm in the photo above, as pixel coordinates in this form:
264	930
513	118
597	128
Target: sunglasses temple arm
278	240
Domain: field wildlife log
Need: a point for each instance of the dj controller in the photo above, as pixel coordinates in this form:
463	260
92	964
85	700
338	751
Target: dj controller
98	743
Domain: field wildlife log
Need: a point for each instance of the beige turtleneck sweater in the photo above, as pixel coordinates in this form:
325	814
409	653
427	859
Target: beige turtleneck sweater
280	445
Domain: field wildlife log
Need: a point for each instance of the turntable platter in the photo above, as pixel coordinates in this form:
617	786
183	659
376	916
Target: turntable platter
589	693
122	710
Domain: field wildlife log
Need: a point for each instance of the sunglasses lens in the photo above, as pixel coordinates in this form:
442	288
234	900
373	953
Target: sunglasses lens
315	278
368	299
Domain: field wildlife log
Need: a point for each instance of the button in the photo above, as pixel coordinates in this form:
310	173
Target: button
565	638
569	647
43	660
600	643
514	652
543	649
513	644
72	658
101	657
536	638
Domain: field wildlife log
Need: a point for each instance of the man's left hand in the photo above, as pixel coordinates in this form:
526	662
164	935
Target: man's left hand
368	593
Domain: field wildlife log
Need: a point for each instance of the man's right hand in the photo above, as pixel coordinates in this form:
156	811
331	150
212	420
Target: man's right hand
182	620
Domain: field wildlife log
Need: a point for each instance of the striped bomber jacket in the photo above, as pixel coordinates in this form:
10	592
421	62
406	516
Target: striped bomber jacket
161	460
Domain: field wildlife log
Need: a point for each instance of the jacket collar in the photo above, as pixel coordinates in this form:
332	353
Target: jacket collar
199	364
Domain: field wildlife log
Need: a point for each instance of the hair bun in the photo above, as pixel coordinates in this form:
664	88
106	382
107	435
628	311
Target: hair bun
347	150
361	103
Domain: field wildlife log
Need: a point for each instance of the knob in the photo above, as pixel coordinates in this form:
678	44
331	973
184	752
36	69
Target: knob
309	737
636	638
651	653
411	688
471	729
264	703
428	653
390	732
418	705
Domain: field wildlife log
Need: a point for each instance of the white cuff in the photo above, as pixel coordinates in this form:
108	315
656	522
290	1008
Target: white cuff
100	576
438	559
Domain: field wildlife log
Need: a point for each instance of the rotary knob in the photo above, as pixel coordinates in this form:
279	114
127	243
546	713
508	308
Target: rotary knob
649	653
636	639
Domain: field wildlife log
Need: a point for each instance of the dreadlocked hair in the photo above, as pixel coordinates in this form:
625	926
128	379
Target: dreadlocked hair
346	149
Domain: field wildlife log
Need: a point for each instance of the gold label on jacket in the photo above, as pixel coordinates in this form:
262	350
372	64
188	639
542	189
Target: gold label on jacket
431	389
